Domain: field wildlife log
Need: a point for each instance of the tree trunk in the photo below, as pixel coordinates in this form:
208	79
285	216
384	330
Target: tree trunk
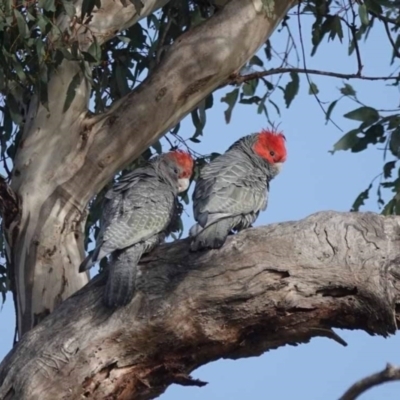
267	287
63	159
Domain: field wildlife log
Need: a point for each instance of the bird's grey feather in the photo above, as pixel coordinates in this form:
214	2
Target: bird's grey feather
229	194
138	213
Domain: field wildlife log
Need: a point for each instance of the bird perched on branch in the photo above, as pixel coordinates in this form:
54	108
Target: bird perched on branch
138	214
233	188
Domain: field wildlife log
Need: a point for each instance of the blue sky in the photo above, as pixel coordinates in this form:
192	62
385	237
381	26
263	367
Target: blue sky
312	180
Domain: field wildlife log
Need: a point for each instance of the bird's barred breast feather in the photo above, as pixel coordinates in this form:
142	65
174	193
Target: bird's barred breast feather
232	185
133	216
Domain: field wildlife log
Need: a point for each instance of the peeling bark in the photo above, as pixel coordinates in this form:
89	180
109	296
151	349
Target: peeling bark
64	159
267	287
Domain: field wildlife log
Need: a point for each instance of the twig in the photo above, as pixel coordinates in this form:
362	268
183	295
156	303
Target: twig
384	18
395	50
238	79
161	43
353	29
307	74
389	374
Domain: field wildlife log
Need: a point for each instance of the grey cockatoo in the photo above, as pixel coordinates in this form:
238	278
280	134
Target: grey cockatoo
233	188
138	213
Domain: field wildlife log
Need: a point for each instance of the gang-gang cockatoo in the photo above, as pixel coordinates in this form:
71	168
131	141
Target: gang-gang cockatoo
138	214
233	188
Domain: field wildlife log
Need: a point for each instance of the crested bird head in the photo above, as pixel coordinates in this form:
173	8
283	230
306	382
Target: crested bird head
184	162
270	146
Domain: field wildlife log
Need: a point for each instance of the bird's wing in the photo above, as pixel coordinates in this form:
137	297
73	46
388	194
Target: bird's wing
230	185
115	195
136	214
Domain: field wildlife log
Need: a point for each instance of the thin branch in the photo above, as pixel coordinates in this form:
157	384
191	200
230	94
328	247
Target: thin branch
238	79
307	74
353	29
383	18
395	50
389	374
163	36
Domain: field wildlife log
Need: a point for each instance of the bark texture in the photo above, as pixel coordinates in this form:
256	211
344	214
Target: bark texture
267	287
64	159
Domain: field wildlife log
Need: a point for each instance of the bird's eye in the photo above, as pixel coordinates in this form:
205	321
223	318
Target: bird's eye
272	153
176	170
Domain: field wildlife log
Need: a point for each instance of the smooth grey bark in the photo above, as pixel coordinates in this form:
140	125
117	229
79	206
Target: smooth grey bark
267	287
65	158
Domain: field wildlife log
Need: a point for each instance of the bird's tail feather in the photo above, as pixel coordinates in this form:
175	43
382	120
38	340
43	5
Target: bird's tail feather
120	285
88	262
213	236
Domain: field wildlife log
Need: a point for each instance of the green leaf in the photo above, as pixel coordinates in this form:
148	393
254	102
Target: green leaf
268	50
371	136
360	200
250	87
65	53
94	51
313	89
363	114
157	147
40	49
394	144
387	169
336	28
291	89
230	99
389	208
394	121
374	6
330	109
69	7
249	100
48	5
13	109
22	26
42	22
255	60
209	101
75	82
124	39
275	106
88	5
2	79
120	76
347	90
363	13
199	120
348	141
316	36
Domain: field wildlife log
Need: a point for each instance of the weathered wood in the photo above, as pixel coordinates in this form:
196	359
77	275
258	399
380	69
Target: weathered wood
267	287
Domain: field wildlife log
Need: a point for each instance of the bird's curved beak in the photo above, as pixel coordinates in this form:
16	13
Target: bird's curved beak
278	166
183	184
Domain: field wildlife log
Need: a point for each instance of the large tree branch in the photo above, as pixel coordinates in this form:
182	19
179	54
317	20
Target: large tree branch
194	66
113	16
267	287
